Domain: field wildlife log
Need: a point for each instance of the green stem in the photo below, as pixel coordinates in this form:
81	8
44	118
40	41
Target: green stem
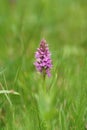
44	82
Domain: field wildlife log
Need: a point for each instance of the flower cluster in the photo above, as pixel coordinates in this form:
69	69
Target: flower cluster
43	62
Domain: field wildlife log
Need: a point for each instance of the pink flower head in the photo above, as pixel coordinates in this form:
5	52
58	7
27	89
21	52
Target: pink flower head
43	61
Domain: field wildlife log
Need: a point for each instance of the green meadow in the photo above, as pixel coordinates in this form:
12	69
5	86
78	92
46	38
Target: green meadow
24	103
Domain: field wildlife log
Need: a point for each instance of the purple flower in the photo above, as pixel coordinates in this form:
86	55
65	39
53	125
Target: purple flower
43	62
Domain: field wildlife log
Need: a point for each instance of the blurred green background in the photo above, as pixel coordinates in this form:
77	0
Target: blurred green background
63	23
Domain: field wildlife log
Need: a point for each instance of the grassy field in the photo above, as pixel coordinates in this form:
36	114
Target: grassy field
63	106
